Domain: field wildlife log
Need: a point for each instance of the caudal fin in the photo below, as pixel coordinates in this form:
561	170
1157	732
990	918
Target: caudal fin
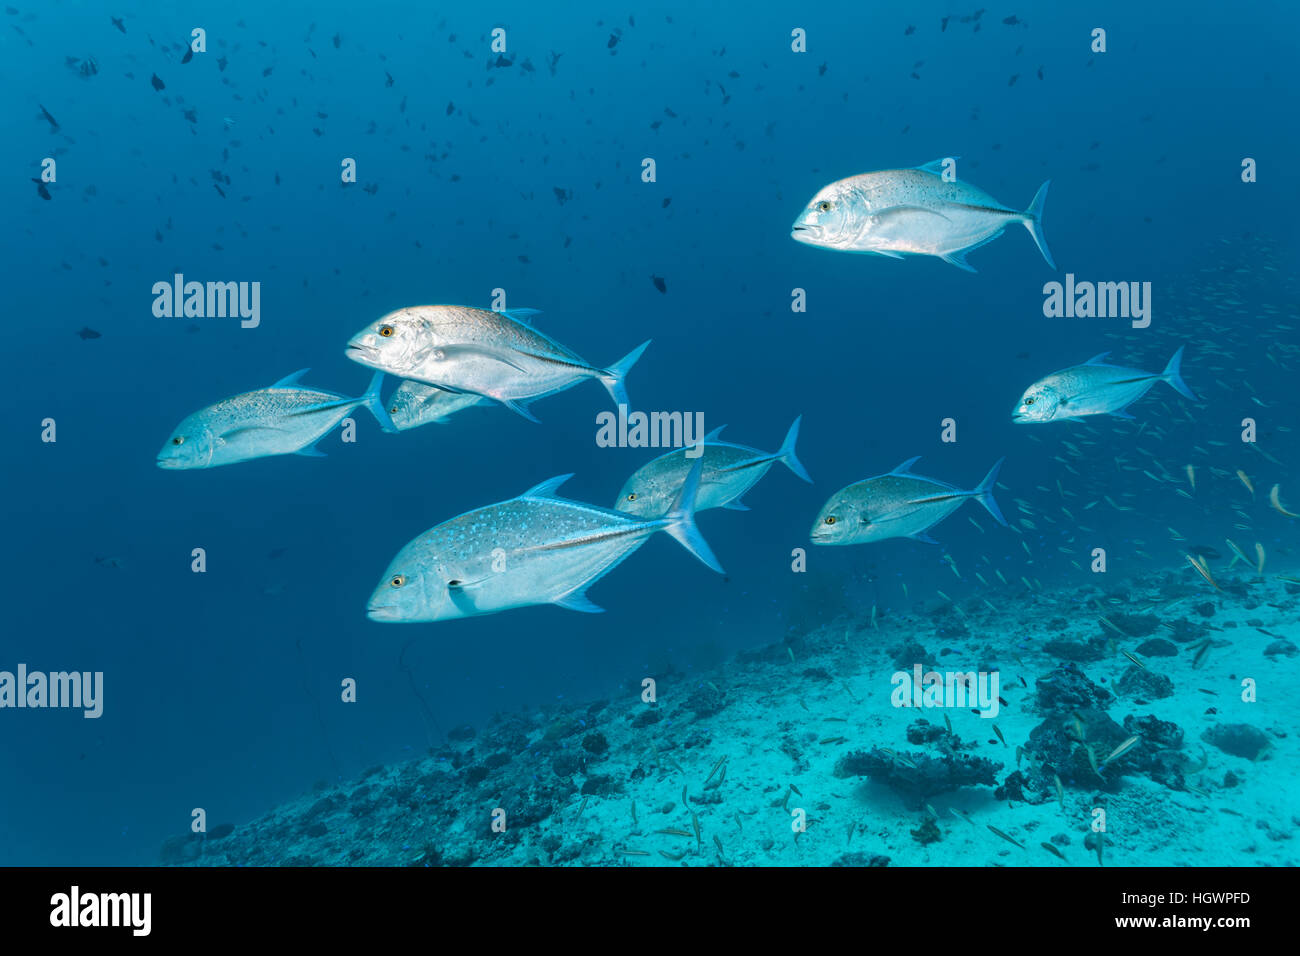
984	493
1035	222
787	455
612	377
374	402
681	519
1173	374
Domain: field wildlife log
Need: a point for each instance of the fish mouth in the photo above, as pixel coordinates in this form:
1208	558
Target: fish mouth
366	354
801	233
383	612
171	464
1020	418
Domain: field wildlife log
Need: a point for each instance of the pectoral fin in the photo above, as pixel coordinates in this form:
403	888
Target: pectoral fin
904	216
479	351
247	432
462	594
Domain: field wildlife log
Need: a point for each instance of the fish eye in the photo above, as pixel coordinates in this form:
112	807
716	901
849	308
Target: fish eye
398	580
632	496
824	206
385	330
1029	401
178	440
393	410
830	519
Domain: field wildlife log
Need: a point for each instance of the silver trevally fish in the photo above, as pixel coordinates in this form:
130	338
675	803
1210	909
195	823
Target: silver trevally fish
284	419
534	549
413	404
728	471
897	505
1094	388
498	355
897	212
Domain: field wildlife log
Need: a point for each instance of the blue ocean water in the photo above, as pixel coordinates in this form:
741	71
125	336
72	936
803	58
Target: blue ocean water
481	170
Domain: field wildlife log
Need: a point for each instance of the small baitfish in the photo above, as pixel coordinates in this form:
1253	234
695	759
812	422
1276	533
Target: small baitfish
497	355
897	505
728	472
897	212
1094	388
413	404
534	549
284	419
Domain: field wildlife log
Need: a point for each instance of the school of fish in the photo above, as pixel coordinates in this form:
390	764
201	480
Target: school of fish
540	548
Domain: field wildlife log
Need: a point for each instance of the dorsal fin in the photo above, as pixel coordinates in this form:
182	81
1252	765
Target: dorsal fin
547	488
713	435
906	467
289	380
1096	359
936	166
522	316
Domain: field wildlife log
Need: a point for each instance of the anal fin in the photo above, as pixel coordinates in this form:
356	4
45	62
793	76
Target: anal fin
578	601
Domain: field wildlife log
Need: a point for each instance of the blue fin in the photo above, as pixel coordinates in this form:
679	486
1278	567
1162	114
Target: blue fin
984	493
713	435
886	252
547	488
736	505
922	537
906	467
290	380
461	598
1070	418
612	377
1035	222
681	519
1120	413
1097	359
374	403
578	601
936	165
522	316
1173	374
521	409
787	455
958	259
310	451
